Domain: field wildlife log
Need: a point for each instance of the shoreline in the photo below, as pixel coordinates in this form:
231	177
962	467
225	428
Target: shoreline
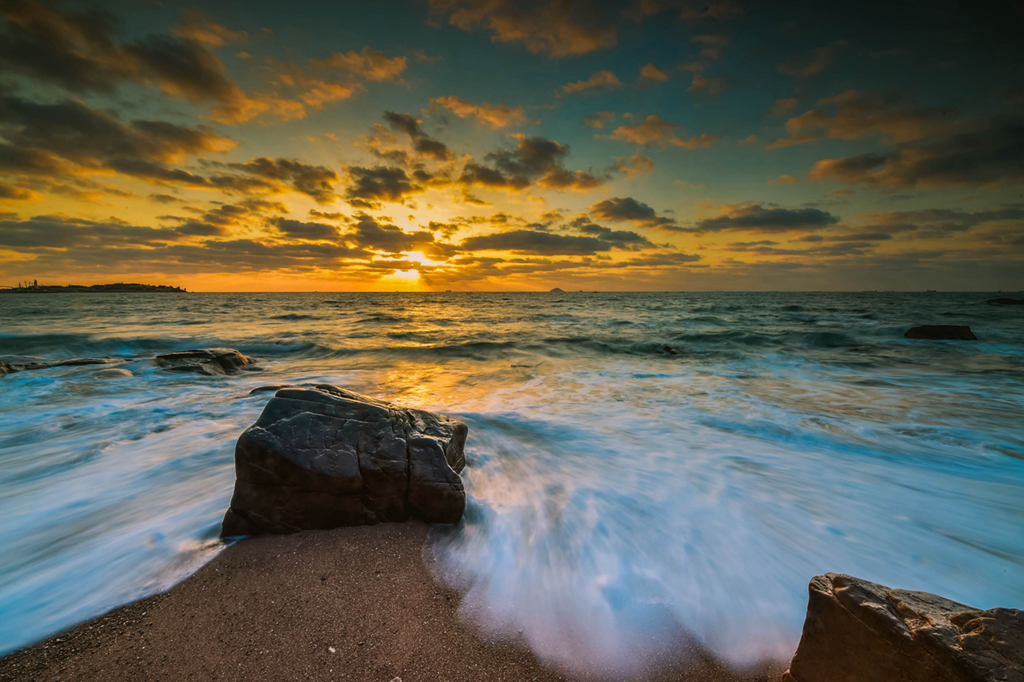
274	607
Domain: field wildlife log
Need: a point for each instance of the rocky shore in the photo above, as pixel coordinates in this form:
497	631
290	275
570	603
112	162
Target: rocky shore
324	590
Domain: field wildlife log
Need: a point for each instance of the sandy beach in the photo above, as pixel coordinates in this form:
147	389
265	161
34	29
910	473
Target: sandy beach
348	604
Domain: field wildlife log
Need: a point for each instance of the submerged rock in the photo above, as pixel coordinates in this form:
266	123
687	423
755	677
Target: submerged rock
113	373
951	332
209	361
857	631
324	457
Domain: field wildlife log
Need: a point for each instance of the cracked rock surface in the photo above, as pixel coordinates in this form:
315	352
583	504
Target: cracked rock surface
858	631
323	457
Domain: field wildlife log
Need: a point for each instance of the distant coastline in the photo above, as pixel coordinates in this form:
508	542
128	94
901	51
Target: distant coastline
119	287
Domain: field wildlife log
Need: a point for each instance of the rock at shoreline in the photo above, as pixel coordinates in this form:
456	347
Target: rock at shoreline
209	361
951	332
1005	301
858	631
325	457
7	368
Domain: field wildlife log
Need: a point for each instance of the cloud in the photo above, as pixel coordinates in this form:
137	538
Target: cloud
308	231
61	232
421	142
652	72
708	86
781	106
557	29
599	119
218	219
537	242
758	218
369	233
628	209
854	115
314	84
939	223
653	129
633	166
656	130
367	64
599	79
388	183
42	137
494	115
79	52
711	45
625	239
987	155
13	193
813	63
199	28
313	181
533	160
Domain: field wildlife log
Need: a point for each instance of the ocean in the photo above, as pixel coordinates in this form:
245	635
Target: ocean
642	467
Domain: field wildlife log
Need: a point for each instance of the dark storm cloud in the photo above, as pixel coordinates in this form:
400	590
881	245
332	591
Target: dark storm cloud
14	159
313	181
533	160
628	209
38	135
54	232
534	241
939	223
986	155
621	238
855	114
15	193
369	233
78	51
755	217
309	231
218	220
378	183
421	142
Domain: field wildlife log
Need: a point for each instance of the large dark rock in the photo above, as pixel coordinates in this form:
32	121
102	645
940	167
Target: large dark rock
324	457
859	631
210	361
951	332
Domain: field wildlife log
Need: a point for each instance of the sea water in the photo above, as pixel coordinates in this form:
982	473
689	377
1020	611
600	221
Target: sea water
644	470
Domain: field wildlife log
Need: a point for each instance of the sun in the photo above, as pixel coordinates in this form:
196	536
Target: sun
406	275
408	280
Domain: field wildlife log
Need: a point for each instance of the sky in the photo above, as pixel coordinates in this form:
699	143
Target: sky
490	145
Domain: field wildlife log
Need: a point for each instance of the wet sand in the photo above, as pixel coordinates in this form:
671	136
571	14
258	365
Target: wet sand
347	604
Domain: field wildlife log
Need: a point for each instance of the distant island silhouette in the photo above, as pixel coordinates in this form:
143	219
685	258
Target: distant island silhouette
119	287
